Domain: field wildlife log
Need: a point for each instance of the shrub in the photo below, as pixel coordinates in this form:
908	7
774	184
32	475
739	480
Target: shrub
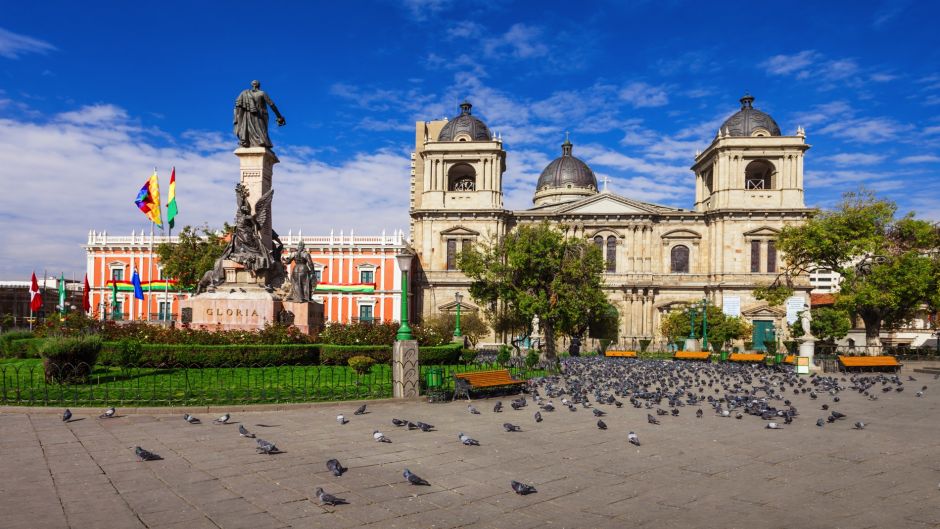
7	339
70	360
124	353
502	357
644	344
27	347
360	333
127	352
467	356
361	364
441	327
439	355
532	358
339	355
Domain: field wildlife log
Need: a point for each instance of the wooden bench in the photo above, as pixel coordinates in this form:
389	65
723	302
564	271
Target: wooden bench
789	359
464	382
870	362
746	357
623	354
690	355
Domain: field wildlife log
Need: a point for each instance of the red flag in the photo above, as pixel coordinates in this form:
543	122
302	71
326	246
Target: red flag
86	302
35	299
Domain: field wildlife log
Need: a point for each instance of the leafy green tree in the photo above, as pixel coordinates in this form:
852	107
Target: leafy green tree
192	256
890	266
827	324
471	325
536	270
727	328
605	324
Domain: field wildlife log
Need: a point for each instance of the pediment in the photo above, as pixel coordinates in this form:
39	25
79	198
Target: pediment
763	231
607	204
460	230
763	310
451	306
681	234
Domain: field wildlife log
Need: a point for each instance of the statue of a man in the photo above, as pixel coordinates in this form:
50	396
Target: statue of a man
303	277
251	117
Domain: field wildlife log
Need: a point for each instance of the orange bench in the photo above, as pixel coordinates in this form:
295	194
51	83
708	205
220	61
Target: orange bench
464	382
624	354
746	357
789	359
870	362
689	355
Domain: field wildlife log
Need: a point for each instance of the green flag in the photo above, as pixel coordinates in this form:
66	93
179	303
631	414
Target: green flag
62	294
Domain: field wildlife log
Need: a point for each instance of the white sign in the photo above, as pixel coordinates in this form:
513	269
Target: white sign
794	307
731	306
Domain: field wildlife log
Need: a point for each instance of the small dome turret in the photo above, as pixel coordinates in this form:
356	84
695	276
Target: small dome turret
465	127
749	121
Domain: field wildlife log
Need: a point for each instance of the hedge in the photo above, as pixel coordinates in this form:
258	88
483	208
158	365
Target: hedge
69	360
134	353
440	354
339	355
7	340
24	348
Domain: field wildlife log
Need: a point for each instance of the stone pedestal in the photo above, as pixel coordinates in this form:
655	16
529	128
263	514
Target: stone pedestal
693	345
308	317
257	168
244	307
808	349
405	369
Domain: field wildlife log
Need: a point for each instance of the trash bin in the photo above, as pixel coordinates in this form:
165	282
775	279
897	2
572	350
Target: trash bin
723	356
778	358
434	378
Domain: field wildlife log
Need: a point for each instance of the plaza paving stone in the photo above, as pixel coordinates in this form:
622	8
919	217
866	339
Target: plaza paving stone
689	472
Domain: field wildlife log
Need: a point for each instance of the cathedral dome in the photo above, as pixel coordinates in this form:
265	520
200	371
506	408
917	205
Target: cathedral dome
565	178
465	127
749	121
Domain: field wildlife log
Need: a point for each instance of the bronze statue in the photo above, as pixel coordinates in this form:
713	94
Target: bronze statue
247	246
251	117
303	277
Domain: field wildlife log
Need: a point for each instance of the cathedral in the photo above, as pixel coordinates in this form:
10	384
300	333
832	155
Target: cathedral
748	185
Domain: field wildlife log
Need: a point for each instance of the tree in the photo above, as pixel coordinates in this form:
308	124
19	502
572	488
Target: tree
536	270
721	328
827	324
890	266
194	254
471	325
726	329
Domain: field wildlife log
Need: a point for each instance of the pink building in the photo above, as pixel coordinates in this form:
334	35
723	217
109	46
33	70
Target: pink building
358	276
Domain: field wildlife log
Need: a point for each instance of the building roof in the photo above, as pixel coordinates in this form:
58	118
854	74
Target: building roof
465	124
822	300
566	171
748	120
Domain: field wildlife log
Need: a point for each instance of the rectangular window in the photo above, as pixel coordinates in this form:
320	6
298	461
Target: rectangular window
771	256
365	313
117	274
755	257
163	310
117	312
464	245
319	273
451	254
367	276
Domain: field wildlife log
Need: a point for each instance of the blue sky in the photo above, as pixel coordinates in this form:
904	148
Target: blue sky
92	98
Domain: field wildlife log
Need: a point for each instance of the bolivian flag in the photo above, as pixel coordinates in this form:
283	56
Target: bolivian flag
171	202
148	199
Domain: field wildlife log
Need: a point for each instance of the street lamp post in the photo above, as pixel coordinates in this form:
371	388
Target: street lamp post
704	324
458	297
404	263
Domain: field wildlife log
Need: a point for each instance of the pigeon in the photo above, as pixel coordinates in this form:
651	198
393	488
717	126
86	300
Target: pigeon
380	437
538	416
598	413
652	420
333	466
411	426
108	413
515	405
67	415
242	431
328	499
145	455
634	440
699	413
835	399
399	422
414	479
361	410
498	407
837	415
919	394
424	426
820	422
264	447
223	419
467	440
341	419
859	425
521	488
773	426
601	424
190	419
509	427
472	410
825	407
739	415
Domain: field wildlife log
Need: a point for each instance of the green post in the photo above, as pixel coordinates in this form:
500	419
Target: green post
404	331
704	324
457	333
691	323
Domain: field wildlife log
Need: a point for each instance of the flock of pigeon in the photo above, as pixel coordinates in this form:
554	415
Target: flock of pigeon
661	388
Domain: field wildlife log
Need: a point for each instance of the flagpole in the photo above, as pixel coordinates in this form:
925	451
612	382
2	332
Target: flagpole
31	304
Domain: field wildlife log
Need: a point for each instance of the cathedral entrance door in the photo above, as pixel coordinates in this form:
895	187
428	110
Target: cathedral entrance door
763	331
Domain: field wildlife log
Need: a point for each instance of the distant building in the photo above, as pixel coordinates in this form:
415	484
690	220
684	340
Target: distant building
824	281
358	276
14	300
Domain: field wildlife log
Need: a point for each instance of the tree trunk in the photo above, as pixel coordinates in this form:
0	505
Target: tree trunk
548	329
872	321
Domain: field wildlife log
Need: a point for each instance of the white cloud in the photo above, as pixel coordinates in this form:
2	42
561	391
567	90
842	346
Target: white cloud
521	41
921	158
14	45
81	170
640	94
423	9
866	130
852	158
790	64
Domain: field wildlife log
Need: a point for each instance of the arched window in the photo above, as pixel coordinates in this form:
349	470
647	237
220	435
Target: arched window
679	259
611	254
599	242
461	177
759	174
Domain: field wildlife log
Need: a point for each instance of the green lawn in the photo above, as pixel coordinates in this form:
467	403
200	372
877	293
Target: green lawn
22	382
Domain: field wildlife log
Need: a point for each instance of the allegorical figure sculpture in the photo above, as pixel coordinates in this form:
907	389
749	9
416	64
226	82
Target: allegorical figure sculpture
806	322
303	277
247	246
251	117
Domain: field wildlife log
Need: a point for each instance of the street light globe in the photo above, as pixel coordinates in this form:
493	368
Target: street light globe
404	261
459	297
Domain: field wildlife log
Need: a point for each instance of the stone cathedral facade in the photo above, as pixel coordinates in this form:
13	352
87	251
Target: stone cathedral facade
748	185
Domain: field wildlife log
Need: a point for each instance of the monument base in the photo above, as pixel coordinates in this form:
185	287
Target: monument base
693	345
405	369
808	349
231	308
308	316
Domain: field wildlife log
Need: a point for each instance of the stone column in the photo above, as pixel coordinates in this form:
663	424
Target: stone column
405	369
257	168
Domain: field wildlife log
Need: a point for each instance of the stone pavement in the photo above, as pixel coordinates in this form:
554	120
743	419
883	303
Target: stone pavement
709	472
